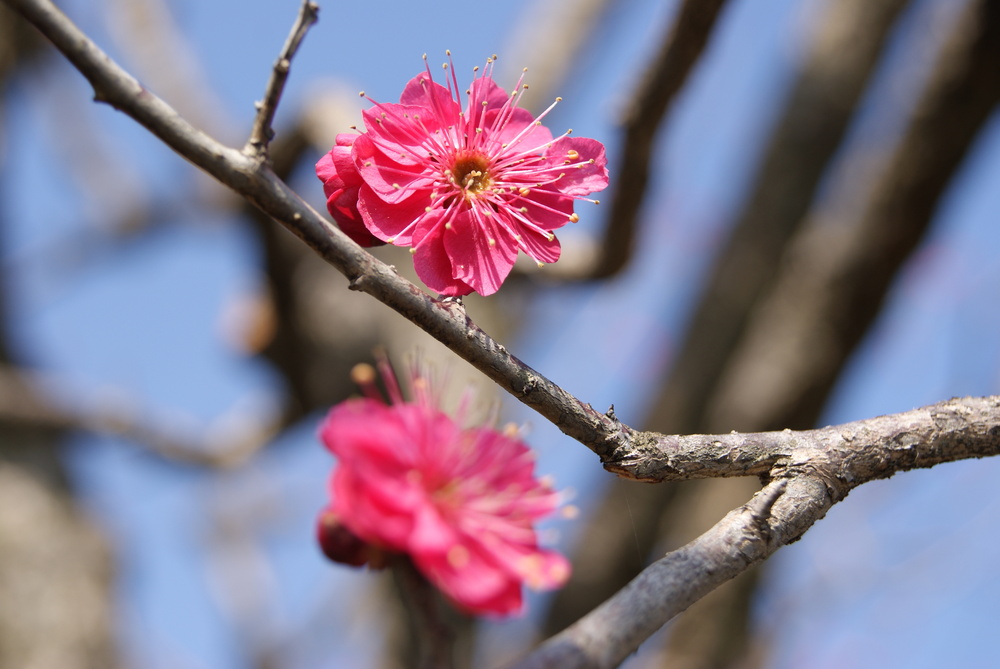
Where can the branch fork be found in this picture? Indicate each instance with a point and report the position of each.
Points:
(804, 472)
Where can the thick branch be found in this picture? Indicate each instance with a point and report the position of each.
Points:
(834, 277)
(777, 515)
(814, 470)
(853, 453)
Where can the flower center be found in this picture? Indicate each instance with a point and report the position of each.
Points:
(471, 172)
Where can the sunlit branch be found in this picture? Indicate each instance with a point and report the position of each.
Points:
(606, 636)
(812, 470)
(853, 453)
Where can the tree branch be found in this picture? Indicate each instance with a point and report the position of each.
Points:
(813, 470)
(852, 453)
(640, 455)
(262, 132)
(254, 180)
(777, 515)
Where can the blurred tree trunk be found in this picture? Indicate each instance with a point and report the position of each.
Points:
(55, 569)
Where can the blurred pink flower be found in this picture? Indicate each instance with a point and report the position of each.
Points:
(466, 190)
(461, 503)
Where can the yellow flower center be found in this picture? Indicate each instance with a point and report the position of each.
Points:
(471, 173)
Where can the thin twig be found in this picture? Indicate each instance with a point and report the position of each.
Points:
(254, 180)
(262, 132)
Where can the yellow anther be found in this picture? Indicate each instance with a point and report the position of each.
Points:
(492, 242)
(572, 154)
(523, 192)
(363, 374)
(396, 186)
(447, 226)
(541, 265)
(574, 218)
(413, 251)
(558, 99)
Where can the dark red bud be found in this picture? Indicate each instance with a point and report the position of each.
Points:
(339, 543)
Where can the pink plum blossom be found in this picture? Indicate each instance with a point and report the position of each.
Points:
(465, 189)
(461, 502)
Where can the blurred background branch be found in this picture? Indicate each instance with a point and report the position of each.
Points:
(819, 238)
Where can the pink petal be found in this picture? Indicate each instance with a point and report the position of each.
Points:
(474, 260)
(484, 89)
(471, 578)
(393, 181)
(588, 177)
(388, 221)
(365, 516)
(421, 91)
(343, 206)
(347, 432)
(401, 131)
(431, 260)
(531, 141)
(340, 185)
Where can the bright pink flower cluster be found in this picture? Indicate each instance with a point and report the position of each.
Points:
(461, 503)
(465, 189)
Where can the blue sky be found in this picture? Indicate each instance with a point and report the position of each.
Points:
(899, 575)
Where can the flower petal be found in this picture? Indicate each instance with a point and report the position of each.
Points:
(393, 181)
(402, 132)
(431, 260)
(392, 222)
(341, 181)
(481, 255)
(519, 134)
(582, 177)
